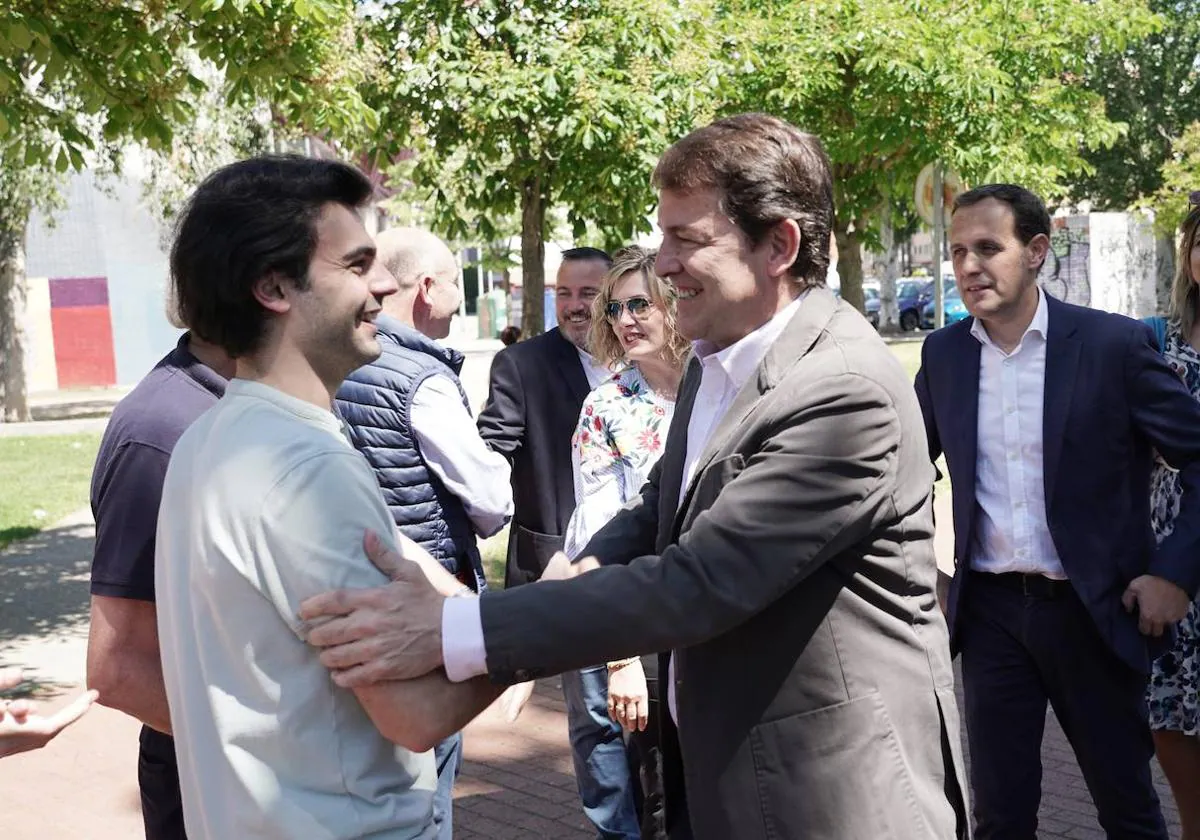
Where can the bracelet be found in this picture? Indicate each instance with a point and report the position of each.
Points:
(463, 591)
(622, 663)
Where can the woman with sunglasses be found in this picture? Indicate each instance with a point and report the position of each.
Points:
(1173, 695)
(621, 432)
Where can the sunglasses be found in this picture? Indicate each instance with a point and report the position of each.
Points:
(639, 307)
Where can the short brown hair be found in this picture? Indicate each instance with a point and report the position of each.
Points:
(603, 343)
(766, 170)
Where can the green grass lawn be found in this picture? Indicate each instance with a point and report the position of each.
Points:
(495, 551)
(42, 479)
(909, 354)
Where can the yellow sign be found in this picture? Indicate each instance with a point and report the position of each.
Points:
(952, 187)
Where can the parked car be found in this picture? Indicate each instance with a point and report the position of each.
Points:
(871, 303)
(909, 302)
(952, 306)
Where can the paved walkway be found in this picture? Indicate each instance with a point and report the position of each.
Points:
(517, 781)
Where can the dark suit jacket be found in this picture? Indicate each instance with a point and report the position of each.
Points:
(536, 391)
(796, 583)
(1109, 398)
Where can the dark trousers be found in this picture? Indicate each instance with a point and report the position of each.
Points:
(646, 764)
(676, 817)
(1020, 651)
(158, 784)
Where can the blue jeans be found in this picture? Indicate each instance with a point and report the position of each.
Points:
(448, 757)
(606, 785)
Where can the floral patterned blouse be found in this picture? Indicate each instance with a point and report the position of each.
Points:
(621, 432)
(1173, 695)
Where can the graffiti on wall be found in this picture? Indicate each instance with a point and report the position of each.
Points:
(1065, 273)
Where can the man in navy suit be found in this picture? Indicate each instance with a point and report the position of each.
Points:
(1049, 415)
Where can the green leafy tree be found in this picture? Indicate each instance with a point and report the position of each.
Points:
(516, 107)
(79, 80)
(1153, 87)
(1180, 177)
(994, 89)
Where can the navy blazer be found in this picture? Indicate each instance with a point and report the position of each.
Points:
(1110, 401)
(536, 391)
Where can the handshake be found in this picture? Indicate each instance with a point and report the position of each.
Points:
(559, 568)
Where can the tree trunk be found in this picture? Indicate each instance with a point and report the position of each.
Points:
(12, 310)
(1164, 271)
(533, 257)
(889, 308)
(850, 265)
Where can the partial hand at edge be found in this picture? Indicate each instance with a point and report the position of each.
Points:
(22, 730)
(391, 632)
(10, 678)
(513, 701)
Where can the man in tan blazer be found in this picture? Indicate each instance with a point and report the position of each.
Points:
(781, 552)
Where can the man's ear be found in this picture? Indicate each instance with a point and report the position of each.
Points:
(1037, 249)
(783, 245)
(425, 288)
(271, 291)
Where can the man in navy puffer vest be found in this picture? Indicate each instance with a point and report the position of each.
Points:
(408, 414)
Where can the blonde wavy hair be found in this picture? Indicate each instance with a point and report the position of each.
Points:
(1185, 296)
(603, 343)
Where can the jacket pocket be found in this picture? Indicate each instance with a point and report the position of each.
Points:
(534, 550)
(835, 773)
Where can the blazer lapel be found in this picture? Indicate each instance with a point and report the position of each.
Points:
(797, 338)
(670, 482)
(964, 415)
(570, 366)
(1062, 363)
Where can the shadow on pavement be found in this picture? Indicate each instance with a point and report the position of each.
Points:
(44, 606)
(517, 779)
(44, 582)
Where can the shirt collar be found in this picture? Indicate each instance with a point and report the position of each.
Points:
(589, 361)
(740, 359)
(303, 410)
(184, 359)
(1039, 324)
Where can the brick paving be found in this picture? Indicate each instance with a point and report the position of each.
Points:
(517, 781)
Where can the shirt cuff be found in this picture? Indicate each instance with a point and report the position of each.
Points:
(463, 653)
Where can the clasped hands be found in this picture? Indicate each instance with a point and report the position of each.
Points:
(394, 632)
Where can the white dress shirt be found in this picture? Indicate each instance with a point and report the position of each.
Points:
(451, 447)
(723, 374)
(595, 372)
(1011, 532)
